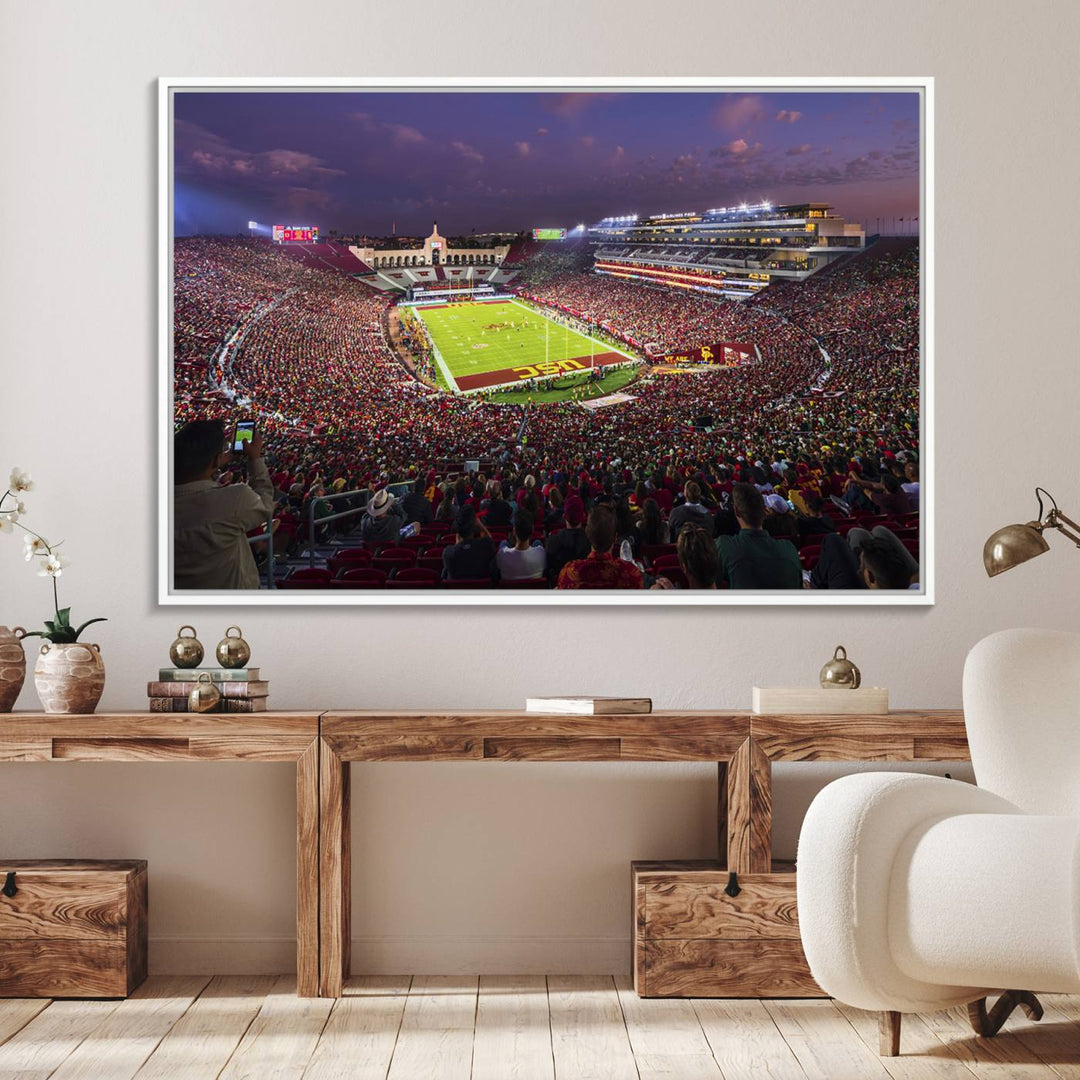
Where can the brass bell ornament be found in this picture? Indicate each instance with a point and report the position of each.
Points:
(204, 696)
(840, 673)
(186, 651)
(233, 652)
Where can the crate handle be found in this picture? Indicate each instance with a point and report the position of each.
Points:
(732, 887)
(9, 884)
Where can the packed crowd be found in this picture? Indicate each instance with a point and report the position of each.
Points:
(835, 392)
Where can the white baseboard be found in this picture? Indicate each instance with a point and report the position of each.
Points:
(430, 954)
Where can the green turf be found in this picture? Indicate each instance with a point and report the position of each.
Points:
(457, 328)
(562, 389)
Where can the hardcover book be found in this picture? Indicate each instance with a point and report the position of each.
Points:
(588, 706)
(226, 689)
(218, 674)
(229, 705)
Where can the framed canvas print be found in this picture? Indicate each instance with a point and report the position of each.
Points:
(539, 341)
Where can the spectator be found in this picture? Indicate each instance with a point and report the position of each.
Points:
(690, 510)
(600, 569)
(416, 506)
(883, 566)
(473, 556)
(526, 558)
(211, 523)
(382, 521)
(815, 522)
(697, 559)
(568, 543)
(653, 528)
(752, 559)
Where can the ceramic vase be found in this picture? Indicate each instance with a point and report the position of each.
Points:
(69, 678)
(12, 666)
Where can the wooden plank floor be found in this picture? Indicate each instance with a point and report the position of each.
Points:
(523, 1027)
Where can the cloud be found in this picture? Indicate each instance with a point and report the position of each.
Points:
(739, 113)
(523, 149)
(399, 134)
(542, 131)
(572, 105)
(200, 152)
(466, 151)
(788, 116)
(588, 140)
(802, 148)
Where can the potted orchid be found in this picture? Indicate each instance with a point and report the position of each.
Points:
(69, 675)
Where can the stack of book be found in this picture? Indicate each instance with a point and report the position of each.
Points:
(241, 689)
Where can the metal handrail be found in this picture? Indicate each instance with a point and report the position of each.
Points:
(268, 536)
(331, 517)
(395, 489)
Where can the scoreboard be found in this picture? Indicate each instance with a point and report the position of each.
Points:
(304, 234)
(549, 234)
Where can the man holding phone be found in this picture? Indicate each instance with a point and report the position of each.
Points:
(211, 522)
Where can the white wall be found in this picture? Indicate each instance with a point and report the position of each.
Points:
(494, 867)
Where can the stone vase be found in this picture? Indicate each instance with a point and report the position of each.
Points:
(12, 667)
(69, 678)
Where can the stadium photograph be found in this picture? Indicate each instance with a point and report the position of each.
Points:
(653, 343)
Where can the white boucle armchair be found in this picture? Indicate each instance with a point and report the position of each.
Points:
(917, 893)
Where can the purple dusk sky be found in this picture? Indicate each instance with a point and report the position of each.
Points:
(357, 162)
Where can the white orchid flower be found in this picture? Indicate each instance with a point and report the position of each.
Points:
(20, 481)
(7, 520)
(34, 545)
(53, 566)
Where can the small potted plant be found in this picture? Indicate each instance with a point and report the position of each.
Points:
(69, 674)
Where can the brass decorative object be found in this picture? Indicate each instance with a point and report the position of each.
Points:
(12, 666)
(1015, 544)
(186, 652)
(204, 696)
(233, 652)
(840, 673)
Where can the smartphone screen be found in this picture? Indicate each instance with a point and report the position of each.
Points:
(245, 432)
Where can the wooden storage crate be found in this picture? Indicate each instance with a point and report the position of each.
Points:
(692, 939)
(72, 928)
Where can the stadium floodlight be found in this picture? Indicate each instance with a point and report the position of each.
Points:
(744, 208)
(253, 224)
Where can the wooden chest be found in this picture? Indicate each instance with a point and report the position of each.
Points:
(71, 928)
(693, 939)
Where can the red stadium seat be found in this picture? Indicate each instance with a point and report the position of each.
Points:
(348, 559)
(654, 551)
(662, 562)
(468, 583)
(676, 576)
(307, 577)
(394, 558)
(809, 556)
(525, 583)
(413, 577)
(363, 577)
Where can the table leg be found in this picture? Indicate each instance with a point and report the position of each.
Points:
(749, 810)
(334, 872)
(307, 872)
(722, 813)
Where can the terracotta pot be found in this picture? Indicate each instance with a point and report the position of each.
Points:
(69, 678)
(12, 666)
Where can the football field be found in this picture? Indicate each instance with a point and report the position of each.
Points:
(486, 345)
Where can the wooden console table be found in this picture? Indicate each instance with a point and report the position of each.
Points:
(323, 745)
(743, 745)
(261, 737)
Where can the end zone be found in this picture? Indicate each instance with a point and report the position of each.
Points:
(542, 370)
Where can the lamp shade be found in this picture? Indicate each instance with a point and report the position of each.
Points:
(1012, 545)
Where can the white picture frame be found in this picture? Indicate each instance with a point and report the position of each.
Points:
(923, 596)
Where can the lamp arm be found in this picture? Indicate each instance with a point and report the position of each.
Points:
(1055, 519)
